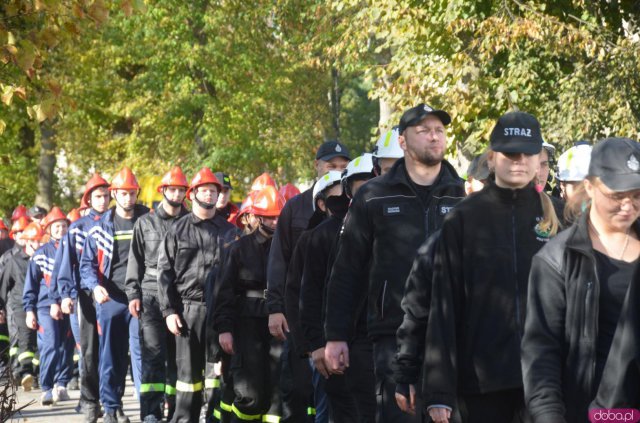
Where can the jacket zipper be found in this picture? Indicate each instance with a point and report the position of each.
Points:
(515, 269)
(587, 297)
(384, 293)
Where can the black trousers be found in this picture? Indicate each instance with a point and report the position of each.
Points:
(255, 370)
(361, 379)
(497, 407)
(4, 343)
(296, 386)
(24, 342)
(190, 359)
(384, 350)
(158, 353)
(89, 347)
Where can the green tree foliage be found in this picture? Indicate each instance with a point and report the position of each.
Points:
(248, 87)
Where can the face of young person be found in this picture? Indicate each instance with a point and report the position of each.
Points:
(619, 209)
(100, 199)
(223, 198)
(126, 198)
(543, 172)
(175, 193)
(58, 229)
(513, 170)
(337, 163)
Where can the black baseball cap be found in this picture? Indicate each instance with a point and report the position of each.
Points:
(330, 149)
(516, 132)
(37, 212)
(479, 168)
(616, 161)
(415, 115)
(224, 179)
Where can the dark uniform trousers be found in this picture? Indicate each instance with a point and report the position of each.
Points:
(295, 383)
(255, 370)
(158, 348)
(384, 351)
(190, 359)
(24, 343)
(89, 347)
(4, 343)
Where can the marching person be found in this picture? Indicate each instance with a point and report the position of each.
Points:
(241, 317)
(12, 282)
(224, 206)
(7, 345)
(577, 287)
(78, 302)
(192, 248)
(415, 303)
(479, 284)
(157, 345)
(573, 167)
(387, 151)
(296, 376)
(103, 269)
(389, 218)
(346, 401)
(55, 341)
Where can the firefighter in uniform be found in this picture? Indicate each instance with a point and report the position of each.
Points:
(55, 342)
(158, 348)
(12, 279)
(294, 220)
(353, 402)
(192, 248)
(224, 205)
(77, 302)
(389, 218)
(103, 268)
(241, 317)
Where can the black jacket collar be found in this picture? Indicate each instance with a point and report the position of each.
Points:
(579, 239)
(398, 174)
(512, 196)
(162, 213)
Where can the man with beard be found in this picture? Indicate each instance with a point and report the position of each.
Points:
(389, 218)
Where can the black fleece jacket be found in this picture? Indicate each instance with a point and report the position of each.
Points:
(479, 293)
(415, 304)
(317, 264)
(561, 332)
(386, 224)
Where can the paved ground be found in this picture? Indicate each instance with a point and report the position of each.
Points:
(64, 412)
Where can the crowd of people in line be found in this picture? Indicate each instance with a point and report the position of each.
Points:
(392, 290)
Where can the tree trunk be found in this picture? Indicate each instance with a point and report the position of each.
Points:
(335, 101)
(46, 166)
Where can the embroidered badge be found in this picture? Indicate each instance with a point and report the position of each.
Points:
(542, 233)
(338, 148)
(427, 109)
(633, 163)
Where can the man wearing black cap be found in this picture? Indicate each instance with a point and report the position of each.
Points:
(225, 207)
(332, 155)
(388, 220)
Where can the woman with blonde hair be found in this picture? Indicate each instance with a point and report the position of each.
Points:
(481, 268)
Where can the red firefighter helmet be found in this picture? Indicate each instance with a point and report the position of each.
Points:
(264, 180)
(3, 227)
(74, 215)
(268, 202)
(33, 232)
(203, 177)
(18, 212)
(53, 216)
(173, 178)
(96, 181)
(124, 179)
(289, 191)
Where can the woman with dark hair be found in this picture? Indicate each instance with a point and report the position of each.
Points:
(577, 286)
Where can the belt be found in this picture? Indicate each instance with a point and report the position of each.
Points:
(256, 293)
